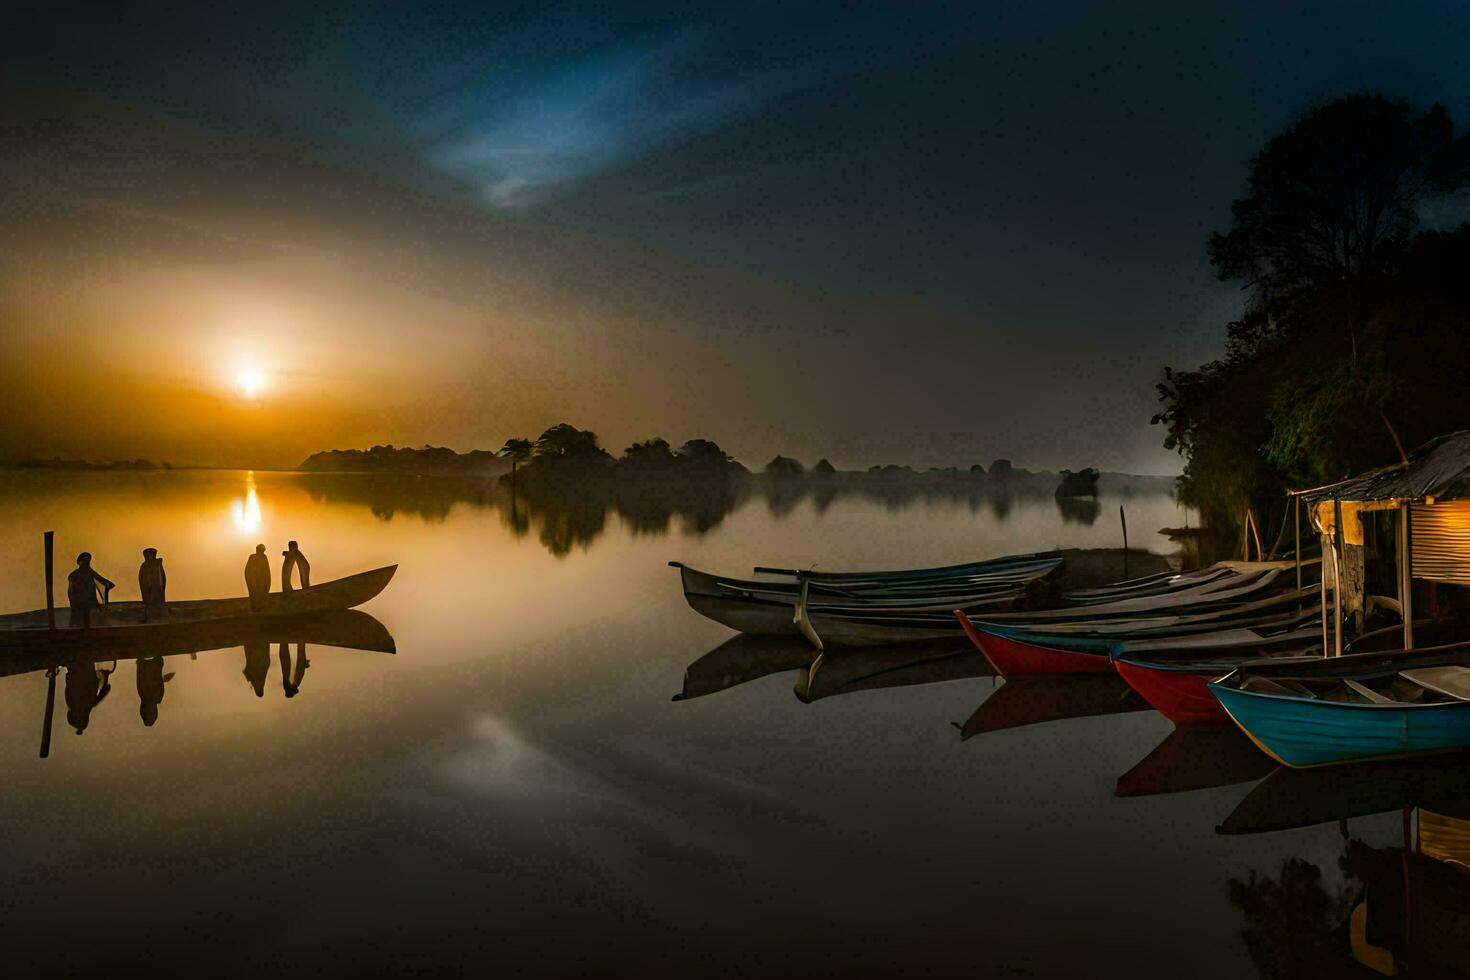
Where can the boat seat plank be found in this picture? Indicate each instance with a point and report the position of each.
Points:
(1367, 692)
(1450, 681)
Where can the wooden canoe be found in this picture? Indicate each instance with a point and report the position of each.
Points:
(120, 625)
(1356, 707)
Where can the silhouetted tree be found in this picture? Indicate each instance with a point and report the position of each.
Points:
(1083, 483)
(517, 451)
(1000, 469)
(1354, 318)
(784, 466)
(566, 441)
(650, 455)
(824, 468)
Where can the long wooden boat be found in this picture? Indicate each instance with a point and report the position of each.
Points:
(1355, 707)
(1176, 678)
(1018, 653)
(910, 575)
(937, 599)
(120, 625)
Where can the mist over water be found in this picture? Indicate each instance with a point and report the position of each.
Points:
(516, 788)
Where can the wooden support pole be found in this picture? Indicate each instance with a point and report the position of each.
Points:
(1123, 519)
(1337, 540)
(1296, 533)
(1406, 571)
(50, 539)
(1255, 529)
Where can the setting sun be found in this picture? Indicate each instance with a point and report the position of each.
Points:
(251, 382)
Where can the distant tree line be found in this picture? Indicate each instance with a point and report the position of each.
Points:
(565, 455)
(1355, 336)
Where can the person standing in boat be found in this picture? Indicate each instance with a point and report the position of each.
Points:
(81, 591)
(293, 558)
(152, 581)
(258, 578)
(151, 680)
(86, 686)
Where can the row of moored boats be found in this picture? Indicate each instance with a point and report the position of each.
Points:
(1237, 641)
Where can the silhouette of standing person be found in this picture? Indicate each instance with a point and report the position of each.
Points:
(291, 683)
(86, 686)
(81, 590)
(257, 664)
(152, 581)
(258, 578)
(151, 680)
(293, 558)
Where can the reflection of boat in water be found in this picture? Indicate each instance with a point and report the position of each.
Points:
(195, 621)
(349, 628)
(741, 659)
(1291, 798)
(848, 671)
(1024, 701)
(1414, 915)
(1193, 758)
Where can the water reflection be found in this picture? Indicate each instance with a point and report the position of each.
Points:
(245, 512)
(1195, 757)
(88, 676)
(1398, 910)
(566, 518)
(1023, 701)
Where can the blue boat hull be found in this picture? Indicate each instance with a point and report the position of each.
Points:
(1301, 732)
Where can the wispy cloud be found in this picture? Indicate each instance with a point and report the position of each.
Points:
(581, 115)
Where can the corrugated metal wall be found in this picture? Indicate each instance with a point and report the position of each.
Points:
(1441, 542)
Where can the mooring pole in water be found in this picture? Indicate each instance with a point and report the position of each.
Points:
(1123, 519)
(50, 537)
(51, 674)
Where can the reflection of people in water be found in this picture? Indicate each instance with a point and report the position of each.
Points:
(151, 680)
(81, 591)
(258, 578)
(291, 683)
(86, 686)
(257, 665)
(293, 558)
(152, 581)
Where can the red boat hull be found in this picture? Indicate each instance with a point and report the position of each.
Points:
(1182, 697)
(1017, 658)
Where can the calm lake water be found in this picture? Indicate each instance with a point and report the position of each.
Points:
(517, 791)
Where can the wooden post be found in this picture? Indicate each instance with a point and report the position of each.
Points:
(1123, 518)
(1296, 534)
(1255, 529)
(1337, 540)
(1406, 571)
(50, 538)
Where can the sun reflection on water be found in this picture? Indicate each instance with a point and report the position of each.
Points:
(246, 513)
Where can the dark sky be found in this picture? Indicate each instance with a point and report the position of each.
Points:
(915, 233)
